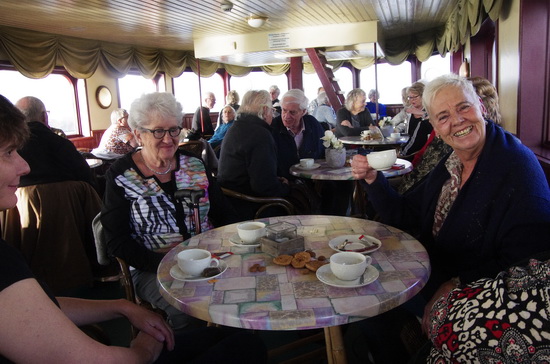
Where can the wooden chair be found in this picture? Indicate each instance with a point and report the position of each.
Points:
(264, 202)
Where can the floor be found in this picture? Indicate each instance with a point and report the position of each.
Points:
(119, 332)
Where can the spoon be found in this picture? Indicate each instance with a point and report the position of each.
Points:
(362, 279)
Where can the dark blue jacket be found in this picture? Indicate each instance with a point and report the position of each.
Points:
(500, 216)
(287, 152)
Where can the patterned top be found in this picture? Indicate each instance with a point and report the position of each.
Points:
(153, 211)
(114, 142)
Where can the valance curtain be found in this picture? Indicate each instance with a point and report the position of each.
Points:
(36, 54)
(464, 22)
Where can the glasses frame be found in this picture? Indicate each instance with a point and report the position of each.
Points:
(173, 132)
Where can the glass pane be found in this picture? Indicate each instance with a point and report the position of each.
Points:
(186, 90)
(312, 82)
(391, 79)
(56, 92)
(258, 80)
(131, 87)
(435, 66)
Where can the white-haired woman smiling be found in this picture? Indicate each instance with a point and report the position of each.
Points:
(481, 209)
(141, 218)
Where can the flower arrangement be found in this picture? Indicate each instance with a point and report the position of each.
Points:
(330, 141)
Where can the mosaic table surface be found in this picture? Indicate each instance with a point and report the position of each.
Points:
(285, 298)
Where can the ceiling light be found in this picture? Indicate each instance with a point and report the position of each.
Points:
(256, 21)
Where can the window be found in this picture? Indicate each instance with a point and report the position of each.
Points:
(435, 66)
(186, 90)
(258, 80)
(58, 93)
(312, 82)
(391, 80)
(132, 86)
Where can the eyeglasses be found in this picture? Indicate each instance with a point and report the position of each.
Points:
(160, 133)
(413, 97)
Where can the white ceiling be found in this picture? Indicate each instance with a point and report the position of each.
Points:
(174, 24)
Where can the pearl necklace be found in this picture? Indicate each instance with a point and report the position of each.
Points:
(157, 172)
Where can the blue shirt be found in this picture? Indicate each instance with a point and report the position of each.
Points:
(217, 138)
(381, 109)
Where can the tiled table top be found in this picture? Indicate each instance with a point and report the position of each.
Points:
(284, 298)
(324, 172)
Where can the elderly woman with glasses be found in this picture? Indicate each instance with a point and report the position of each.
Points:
(141, 217)
(419, 128)
(354, 117)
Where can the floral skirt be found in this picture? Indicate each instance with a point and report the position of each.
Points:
(501, 320)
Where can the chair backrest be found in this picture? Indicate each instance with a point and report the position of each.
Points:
(264, 202)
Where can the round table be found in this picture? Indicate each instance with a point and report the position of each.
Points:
(284, 298)
(93, 163)
(327, 173)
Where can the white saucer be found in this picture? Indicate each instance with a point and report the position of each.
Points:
(314, 166)
(325, 275)
(355, 244)
(176, 273)
(235, 240)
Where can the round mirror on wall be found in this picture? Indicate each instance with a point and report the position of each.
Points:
(104, 97)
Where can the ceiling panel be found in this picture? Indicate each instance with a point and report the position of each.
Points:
(173, 24)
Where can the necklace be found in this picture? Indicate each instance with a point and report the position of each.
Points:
(157, 172)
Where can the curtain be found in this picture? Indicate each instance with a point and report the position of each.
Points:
(35, 54)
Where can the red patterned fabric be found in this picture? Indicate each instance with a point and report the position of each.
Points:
(502, 320)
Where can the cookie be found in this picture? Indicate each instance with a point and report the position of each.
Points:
(315, 264)
(299, 261)
(283, 259)
(303, 255)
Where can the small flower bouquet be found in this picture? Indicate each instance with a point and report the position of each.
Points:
(330, 141)
(335, 154)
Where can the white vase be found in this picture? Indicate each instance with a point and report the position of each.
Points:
(335, 158)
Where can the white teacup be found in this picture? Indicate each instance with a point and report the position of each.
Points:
(348, 266)
(306, 162)
(251, 232)
(192, 262)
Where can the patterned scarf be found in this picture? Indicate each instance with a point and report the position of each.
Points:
(449, 191)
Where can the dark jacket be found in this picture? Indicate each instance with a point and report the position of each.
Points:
(419, 132)
(52, 158)
(365, 120)
(500, 216)
(287, 152)
(196, 124)
(248, 160)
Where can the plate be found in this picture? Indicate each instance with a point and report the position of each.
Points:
(355, 244)
(314, 166)
(325, 275)
(235, 240)
(176, 273)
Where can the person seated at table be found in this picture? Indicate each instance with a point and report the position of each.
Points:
(419, 128)
(118, 139)
(248, 159)
(297, 134)
(232, 99)
(474, 211)
(51, 157)
(140, 216)
(202, 123)
(314, 103)
(353, 117)
(436, 149)
(274, 92)
(228, 116)
(373, 101)
(400, 122)
(324, 113)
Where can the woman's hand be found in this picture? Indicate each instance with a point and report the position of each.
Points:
(146, 347)
(416, 112)
(361, 169)
(346, 123)
(442, 291)
(152, 324)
